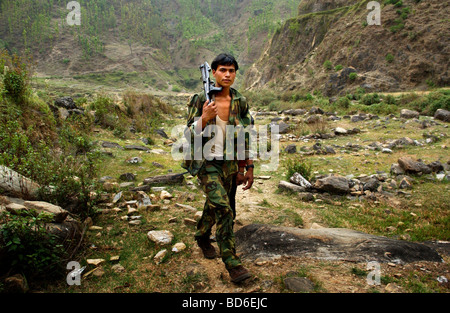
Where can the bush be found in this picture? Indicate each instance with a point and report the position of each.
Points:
(352, 76)
(429, 104)
(390, 99)
(30, 248)
(338, 67)
(343, 102)
(370, 99)
(327, 65)
(298, 165)
(389, 58)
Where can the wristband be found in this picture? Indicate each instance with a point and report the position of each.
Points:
(249, 166)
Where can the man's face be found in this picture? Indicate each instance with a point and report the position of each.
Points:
(225, 75)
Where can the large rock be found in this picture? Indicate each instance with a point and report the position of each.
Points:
(290, 186)
(412, 166)
(298, 179)
(333, 184)
(442, 115)
(408, 114)
(265, 241)
(40, 206)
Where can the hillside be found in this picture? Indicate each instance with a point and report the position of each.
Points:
(318, 49)
(162, 42)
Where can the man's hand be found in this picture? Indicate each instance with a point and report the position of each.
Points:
(248, 179)
(209, 112)
(240, 179)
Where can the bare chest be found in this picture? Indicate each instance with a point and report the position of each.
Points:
(223, 108)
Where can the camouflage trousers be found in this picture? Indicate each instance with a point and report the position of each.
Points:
(217, 184)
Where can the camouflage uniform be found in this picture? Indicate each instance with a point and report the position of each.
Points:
(216, 177)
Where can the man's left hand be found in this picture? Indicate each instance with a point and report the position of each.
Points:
(248, 179)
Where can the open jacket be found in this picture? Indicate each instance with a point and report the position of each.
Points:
(239, 117)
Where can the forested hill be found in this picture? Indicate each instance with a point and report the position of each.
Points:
(155, 37)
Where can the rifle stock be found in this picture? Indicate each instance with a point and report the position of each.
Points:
(208, 86)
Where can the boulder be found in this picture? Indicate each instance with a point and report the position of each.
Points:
(299, 284)
(412, 166)
(333, 184)
(291, 187)
(442, 115)
(40, 206)
(336, 244)
(409, 114)
(300, 180)
(291, 149)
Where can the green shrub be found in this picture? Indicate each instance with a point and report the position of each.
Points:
(429, 104)
(390, 99)
(327, 65)
(298, 165)
(370, 99)
(389, 58)
(338, 67)
(352, 76)
(30, 248)
(14, 84)
(105, 112)
(343, 102)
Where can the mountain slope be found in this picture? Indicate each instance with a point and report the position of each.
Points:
(409, 50)
(165, 40)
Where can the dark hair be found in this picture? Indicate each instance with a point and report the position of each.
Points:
(224, 59)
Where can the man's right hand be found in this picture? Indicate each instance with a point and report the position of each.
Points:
(209, 112)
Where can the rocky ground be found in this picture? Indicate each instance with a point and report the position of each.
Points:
(366, 165)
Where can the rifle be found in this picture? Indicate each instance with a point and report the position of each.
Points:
(208, 85)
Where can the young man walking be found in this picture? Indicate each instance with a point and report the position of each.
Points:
(217, 170)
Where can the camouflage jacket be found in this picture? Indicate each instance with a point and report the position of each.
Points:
(239, 117)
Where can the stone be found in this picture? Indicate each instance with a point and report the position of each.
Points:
(290, 186)
(107, 144)
(159, 257)
(198, 215)
(299, 284)
(340, 131)
(95, 262)
(298, 179)
(333, 184)
(190, 222)
(128, 177)
(409, 114)
(136, 147)
(178, 247)
(160, 237)
(186, 207)
(333, 244)
(291, 149)
(436, 166)
(118, 268)
(442, 115)
(59, 214)
(396, 169)
(135, 160)
(405, 184)
(165, 195)
(412, 166)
